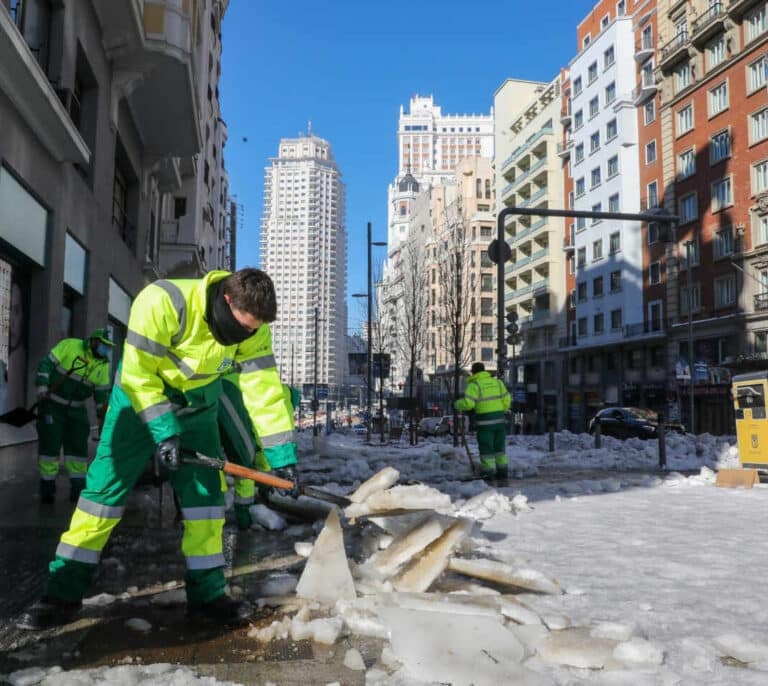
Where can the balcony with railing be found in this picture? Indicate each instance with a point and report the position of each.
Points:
(646, 89)
(640, 329)
(673, 51)
(708, 24)
(564, 147)
(737, 8)
(536, 197)
(529, 171)
(644, 48)
(529, 143)
(761, 301)
(537, 318)
(565, 114)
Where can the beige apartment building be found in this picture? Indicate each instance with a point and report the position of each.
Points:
(101, 125)
(529, 174)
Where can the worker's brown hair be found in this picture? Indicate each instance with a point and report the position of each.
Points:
(252, 291)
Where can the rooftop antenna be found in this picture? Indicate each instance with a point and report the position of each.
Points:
(309, 127)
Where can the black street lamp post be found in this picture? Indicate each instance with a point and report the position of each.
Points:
(369, 296)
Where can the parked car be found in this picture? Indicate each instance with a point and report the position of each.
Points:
(360, 429)
(428, 426)
(627, 422)
(446, 423)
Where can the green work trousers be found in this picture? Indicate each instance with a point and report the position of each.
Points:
(61, 426)
(491, 443)
(241, 447)
(124, 450)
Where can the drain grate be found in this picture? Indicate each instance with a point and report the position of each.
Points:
(278, 651)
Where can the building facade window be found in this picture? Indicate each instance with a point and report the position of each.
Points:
(760, 177)
(615, 242)
(719, 147)
(577, 87)
(653, 194)
(649, 112)
(684, 120)
(616, 320)
(610, 93)
(578, 153)
(686, 164)
(594, 107)
(682, 77)
(582, 326)
(611, 130)
(724, 243)
(613, 203)
(725, 291)
(715, 52)
(598, 323)
(718, 99)
(578, 120)
(654, 273)
(689, 209)
(609, 57)
(690, 301)
(755, 23)
(615, 281)
(594, 142)
(650, 152)
(597, 250)
(597, 287)
(722, 195)
(613, 166)
(756, 76)
(759, 127)
(595, 177)
(581, 257)
(580, 187)
(581, 290)
(592, 73)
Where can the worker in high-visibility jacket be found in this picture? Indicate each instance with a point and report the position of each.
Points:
(75, 370)
(242, 445)
(183, 336)
(489, 398)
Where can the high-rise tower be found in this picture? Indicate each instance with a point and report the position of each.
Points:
(303, 249)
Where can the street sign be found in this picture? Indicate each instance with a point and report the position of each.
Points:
(322, 391)
(496, 254)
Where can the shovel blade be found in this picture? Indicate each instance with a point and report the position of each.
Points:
(18, 417)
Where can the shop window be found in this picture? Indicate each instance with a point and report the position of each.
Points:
(14, 325)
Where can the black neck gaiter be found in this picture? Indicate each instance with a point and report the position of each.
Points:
(222, 323)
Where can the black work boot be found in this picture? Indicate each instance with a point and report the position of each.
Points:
(75, 486)
(48, 612)
(222, 610)
(47, 492)
(502, 472)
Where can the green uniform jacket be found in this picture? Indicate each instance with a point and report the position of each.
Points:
(487, 396)
(169, 346)
(74, 374)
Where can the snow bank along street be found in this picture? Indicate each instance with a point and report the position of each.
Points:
(589, 567)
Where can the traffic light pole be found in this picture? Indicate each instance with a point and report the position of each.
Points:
(499, 252)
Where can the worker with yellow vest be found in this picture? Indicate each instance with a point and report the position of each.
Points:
(242, 445)
(183, 336)
(75, 370)
(489, 398)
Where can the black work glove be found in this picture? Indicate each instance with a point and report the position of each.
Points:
(288, 472)
(167, 456)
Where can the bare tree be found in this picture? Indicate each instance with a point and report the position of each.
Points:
(453, 262)
(411, 332)
(382, 339)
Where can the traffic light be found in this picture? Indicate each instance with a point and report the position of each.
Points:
(512, 327)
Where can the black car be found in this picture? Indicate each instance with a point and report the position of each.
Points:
(627, 422)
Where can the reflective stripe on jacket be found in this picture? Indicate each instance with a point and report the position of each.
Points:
(72, 374)
(485, 394)
(169, 344)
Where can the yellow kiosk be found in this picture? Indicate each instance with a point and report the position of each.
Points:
(749, 401)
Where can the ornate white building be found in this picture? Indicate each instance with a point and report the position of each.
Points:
(304, 250)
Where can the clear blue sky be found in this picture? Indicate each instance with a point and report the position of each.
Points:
(348, 66)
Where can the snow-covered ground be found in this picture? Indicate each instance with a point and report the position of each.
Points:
(643, 577)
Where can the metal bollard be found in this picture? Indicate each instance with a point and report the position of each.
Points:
(661, 431)
(551, 437)
(598, 433)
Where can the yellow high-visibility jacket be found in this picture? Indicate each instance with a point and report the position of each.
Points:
(487, 396)
(169, 346)
(72, 374)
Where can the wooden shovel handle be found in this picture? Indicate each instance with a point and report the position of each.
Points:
(255, 475)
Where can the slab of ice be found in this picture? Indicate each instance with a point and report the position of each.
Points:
(326, 576)
(303, 548)
(385, 563)
(517, 611)
(420, 574)
(276, 629)
(100, 600)
(576, 648)
(354, 660)
(415, 497)
(485, 505)
(269, 519)
(380, 481)
(503, 574)
(460, 650)
(614, 631)
(168, 598)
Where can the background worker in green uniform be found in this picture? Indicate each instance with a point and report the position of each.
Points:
(183, 335)
(242, 446)
(72, 372)
(489, 398)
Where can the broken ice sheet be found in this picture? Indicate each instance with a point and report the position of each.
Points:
(503, 574)
(385, 563)
(380, 481)
(458, 649)
(576, 648)
(326, 576)
(420, 574)
(416, 497)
